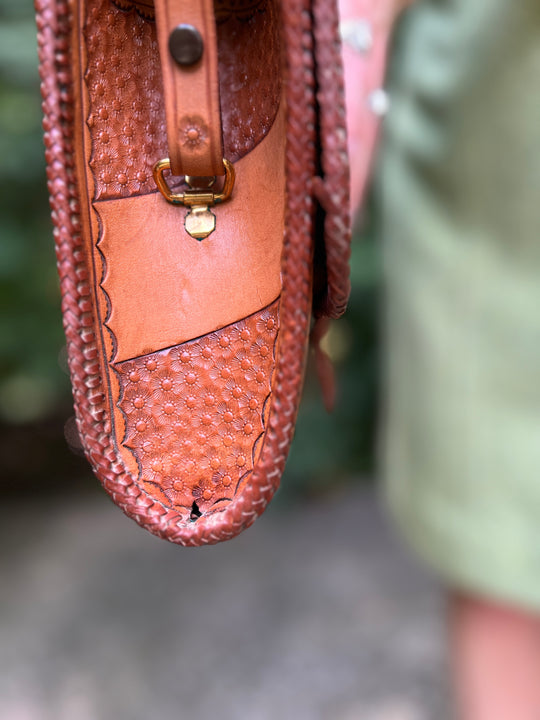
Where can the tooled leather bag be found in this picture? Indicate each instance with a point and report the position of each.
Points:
(199, 186)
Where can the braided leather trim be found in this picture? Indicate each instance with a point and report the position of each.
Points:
(332, 190)
(54, 27)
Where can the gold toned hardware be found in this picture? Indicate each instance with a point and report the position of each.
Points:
(194, 197)
(200, 182)
(200, 222)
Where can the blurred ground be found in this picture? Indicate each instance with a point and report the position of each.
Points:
(312, 614)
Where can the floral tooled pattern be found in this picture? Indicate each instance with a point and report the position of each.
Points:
(193, 133)
(126, 117)
(195, 412)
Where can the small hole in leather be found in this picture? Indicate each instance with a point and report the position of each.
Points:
(195, 512)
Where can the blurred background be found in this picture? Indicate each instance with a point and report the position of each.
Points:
(314, 613)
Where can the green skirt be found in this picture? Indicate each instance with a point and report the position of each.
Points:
(459, 190)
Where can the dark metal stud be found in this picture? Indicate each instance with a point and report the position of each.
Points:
(186, 45)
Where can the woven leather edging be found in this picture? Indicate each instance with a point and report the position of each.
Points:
(54, 27)
(332, 191)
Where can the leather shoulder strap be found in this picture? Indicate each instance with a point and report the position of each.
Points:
(187, 29)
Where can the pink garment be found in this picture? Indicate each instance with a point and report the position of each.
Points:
(364, 74)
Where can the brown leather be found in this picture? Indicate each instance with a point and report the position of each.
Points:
(195, 287)
(124, 99)
(195, 414)
(122, 406)
(160, 295)
(191, 93)
(331, 188)
(224, 9)
(250, 66)
(144, 7)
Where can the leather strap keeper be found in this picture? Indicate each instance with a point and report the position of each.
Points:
(191, 92)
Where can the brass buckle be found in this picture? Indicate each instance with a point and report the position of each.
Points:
(200, 221)
(195, 196)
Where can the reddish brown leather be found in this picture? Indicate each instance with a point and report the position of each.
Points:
(191, 94)
(224, 9)
(250, 64)
(165, 262)
(123, 99)
(94, 387)
(195, 413)
(195, 287)
(144, 7)
(126, 118)
(332, 188)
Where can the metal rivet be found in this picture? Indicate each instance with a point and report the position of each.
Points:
(186, 45)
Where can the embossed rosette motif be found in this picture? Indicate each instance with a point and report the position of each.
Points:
(186, 356)
(195, 414)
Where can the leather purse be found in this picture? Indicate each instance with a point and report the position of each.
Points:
(198, 176)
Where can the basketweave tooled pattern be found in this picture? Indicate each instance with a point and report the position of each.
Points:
(55, 25)
(127, 116)
(195, 412)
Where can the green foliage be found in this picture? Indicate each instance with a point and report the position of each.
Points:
(31, 381)
(331, 448)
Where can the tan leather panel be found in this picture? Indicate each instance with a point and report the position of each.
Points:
(195, 413)
(164, 287)
(191, 94)
(123, 92)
